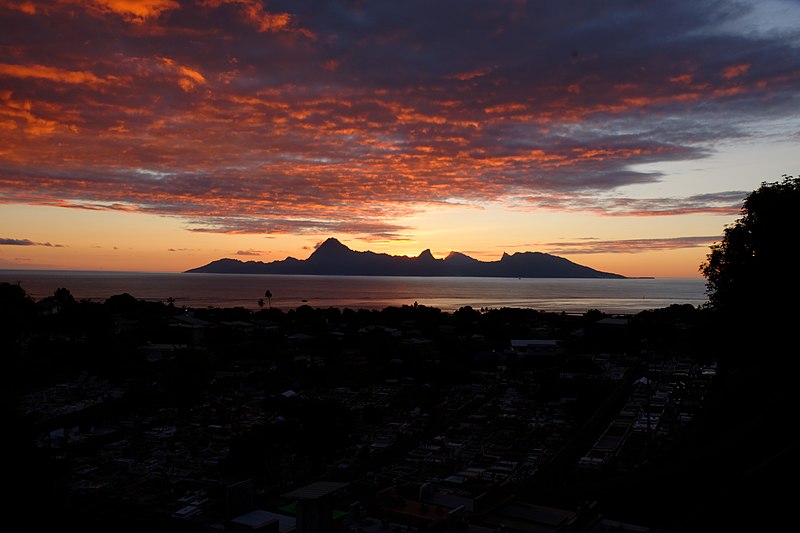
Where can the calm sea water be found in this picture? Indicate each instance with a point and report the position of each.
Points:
(368, 292)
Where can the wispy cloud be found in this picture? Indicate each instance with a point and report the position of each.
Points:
(48, 73)
(722, 203)
(595, 246)
(250, 252)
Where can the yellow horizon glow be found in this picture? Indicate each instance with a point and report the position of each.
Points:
(74, 239)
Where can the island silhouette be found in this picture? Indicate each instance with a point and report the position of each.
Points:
(334, 258)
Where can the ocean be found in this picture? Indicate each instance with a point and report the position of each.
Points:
(613, 296)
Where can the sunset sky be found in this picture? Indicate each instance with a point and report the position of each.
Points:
(159, 135)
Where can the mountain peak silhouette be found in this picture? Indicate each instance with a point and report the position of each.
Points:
(331, 244)
(330, 252)
(334, 258)
(426, 255)
(460, 258)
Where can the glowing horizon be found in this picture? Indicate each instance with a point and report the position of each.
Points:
(161, 135)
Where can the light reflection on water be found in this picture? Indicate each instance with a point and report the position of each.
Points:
(369, 292)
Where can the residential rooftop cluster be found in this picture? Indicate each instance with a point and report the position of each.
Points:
(406, 419)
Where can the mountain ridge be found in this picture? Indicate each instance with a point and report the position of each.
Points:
(334, 258)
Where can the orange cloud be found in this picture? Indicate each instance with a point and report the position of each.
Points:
(16, 114)
(51, 73)
(189, 78)
(735, 71)
(683, 78)
(511, 107)
(138, 12)
(253, 12)
(28, 8)
(135, 11)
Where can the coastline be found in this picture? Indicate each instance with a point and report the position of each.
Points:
(571, 295)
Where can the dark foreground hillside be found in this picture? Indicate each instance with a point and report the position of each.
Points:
(139, 416)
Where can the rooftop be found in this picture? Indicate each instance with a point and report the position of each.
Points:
(315, 490)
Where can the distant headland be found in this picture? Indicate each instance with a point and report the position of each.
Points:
(334, 258)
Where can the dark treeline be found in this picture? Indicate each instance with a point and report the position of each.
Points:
(46, 340)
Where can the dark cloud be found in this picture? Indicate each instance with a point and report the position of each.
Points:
(250, 252)
(17, 242)
(240, 116)
(27, 242)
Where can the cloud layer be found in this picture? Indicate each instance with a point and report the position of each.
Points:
(342, 116)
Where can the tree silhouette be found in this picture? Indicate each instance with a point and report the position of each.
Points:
(751, 275)
(751, 268)
(753, 288)
(268, 296)
(17, 309)
(261, 303)
(63, 296)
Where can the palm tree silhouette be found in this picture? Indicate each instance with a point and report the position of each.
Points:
(268, 296)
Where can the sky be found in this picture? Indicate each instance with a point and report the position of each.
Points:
(160, 135)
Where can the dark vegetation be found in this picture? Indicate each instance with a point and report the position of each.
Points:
(746, 443)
